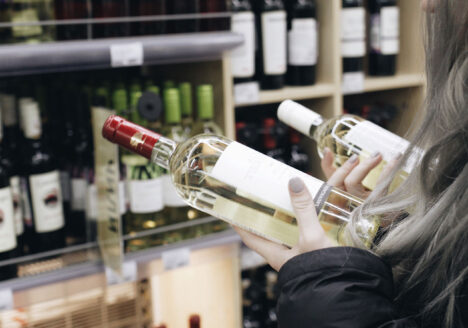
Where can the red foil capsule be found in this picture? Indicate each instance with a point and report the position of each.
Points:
(130, 136)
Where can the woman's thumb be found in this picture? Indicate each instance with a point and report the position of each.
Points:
(303, 205)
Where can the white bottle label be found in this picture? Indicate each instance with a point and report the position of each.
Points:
(46, 199)
(372, 138)
(146, 196)
(7, 221)
(30, 119)
(274, 42)
(390, 30)
(353, 32)
(65, 185)
(78, 196)
(123, 197)
(170, 195)
(243, 57)
(258, 176)
(303, 42)
(91, 203)
(17, 210)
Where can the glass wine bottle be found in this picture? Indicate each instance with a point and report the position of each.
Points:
(347, 135)
(302, 42)
(270, 144)
(353, 37)
(384, 33)
(186, 107)
(205, 104)
(240, 185)
(243, 57)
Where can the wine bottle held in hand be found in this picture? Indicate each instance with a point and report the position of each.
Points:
(240, 185)
(347, 135)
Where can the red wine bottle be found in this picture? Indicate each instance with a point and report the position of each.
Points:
(44, 219)
(148, 8)
(384, 37)
(72, 9)
(179, 7)
(243, 57)
(110, 9)
(214, 24)
(271, 63)
(302, 42)
(270, 143)
(353, 36)
(195, 321)
(297, 157)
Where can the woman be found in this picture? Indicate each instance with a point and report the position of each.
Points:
(416, 273)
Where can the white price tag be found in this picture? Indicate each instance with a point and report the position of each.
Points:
(353, 83)
(129, 54)
(6, 299)
(129, 274)
(177, 258)
(246, 93)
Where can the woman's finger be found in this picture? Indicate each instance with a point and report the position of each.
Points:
(311, 233)
(337, 178)
(388, 168)
(327, 163)
(353, 182)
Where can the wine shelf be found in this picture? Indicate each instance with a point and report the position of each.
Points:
(92, 54)
(393, 82)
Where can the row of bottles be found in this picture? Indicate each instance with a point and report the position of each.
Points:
(42, 11)
(194, 321)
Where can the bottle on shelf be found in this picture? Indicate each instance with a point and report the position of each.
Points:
(353, 37)
(247, 134)
(8, 236)
(302, 42)
(44, 218)
(271, 57)
(212, 7)
(26, 11)
(11, 138)
(297, 157)
(194, 321)
(346, 135)
(205, 104)
(384, 37)
(148, 8)
(186, 106)
(72, 9)
(270, 144)
(240, 185)
(175, 207)
(243, 57)
(110, 9)
(183, 7)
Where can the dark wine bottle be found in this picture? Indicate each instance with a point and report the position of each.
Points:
(110, 9)
(44, 219)
(179, 7)
(271, 61)
(384, 33)
(302, 42)
(148, 8)
(72, 9)
(194, 321)
(11, 137)
(270, 143)
(297, 157)
(243, 57)
(353, 36)
(211, 7)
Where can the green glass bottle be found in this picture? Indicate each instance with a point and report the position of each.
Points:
(205, 104)
(186, 106)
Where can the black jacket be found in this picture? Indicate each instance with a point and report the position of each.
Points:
(338, 288)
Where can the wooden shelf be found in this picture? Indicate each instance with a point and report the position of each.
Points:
(393, 82)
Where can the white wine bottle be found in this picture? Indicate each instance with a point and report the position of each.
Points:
(346, 135)
(240, 185)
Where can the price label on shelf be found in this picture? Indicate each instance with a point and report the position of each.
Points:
(175, 259)
(353, 83)
(246, 93)
(128, 54)
(129, 274)
(6, 299)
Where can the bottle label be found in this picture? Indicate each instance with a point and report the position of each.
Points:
(46, 199)
(25, 203)
(303, 42)
(390, 30)
(78, 196)
(260, 177)
(146, 195)
(65, 185)
(274, 42)
(170, 195)
(17, 210)
(7, 221)
(91, 203)
(353, 31)
(30, 119)
(372, 138)
(243, 57)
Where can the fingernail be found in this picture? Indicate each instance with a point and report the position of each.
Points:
(375, 154)
(326, 150)
(353, 158)
(296, 185)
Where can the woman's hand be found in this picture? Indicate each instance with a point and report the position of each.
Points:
(311, 234)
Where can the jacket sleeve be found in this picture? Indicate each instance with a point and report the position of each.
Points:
(337, 287)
